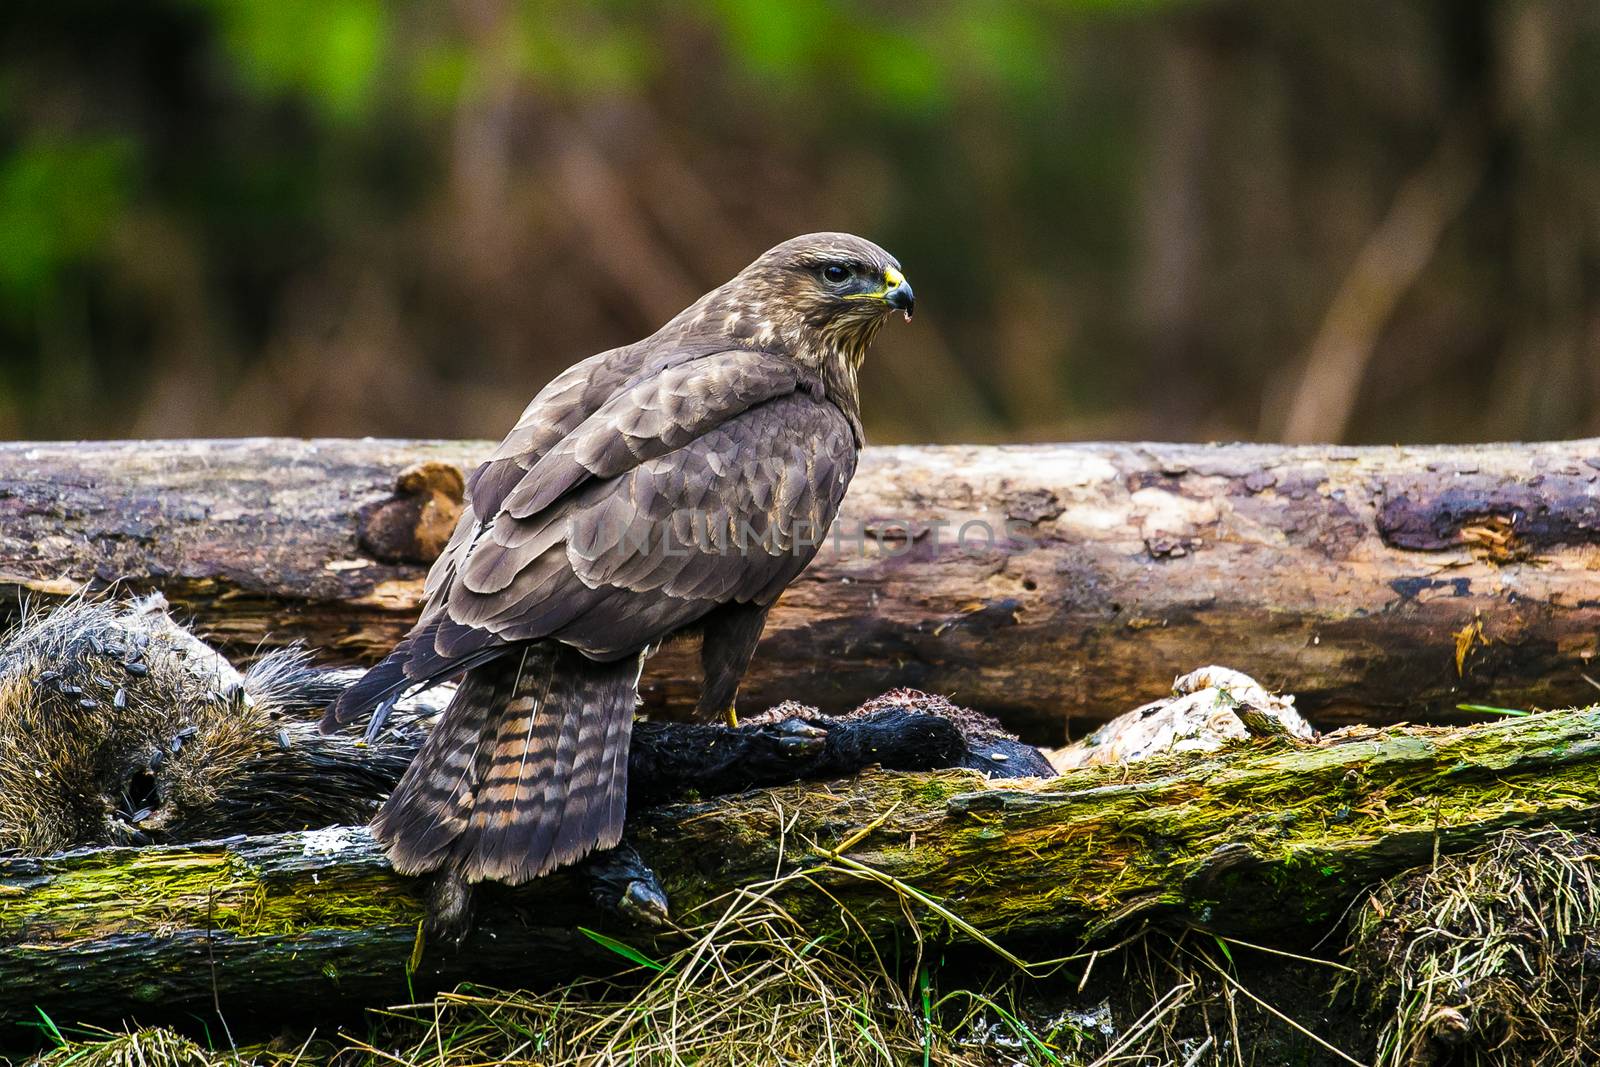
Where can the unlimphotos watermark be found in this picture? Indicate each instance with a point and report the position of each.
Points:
(717, 533)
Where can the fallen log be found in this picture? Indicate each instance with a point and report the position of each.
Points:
(1269, 839)
(316, 779)
(1041, 584)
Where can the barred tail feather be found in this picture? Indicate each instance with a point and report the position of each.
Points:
(526, 771)
(381, 685)
(429, 808)
(414, 664)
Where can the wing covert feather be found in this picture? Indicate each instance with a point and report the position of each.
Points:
(732, 515)
(651, 418)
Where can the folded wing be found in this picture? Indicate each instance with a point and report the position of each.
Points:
(708, 481)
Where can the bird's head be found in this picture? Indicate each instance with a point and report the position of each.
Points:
(819, 295)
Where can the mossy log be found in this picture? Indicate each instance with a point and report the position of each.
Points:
(1040, 584)
(1268, 839)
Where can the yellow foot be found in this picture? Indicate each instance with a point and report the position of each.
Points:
(731, 717)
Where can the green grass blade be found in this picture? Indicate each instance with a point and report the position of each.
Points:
(627, 952)
(48, 1025)
(1490, 709)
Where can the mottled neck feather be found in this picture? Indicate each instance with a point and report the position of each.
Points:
(839, 360)
(839, 379)
(835, 349)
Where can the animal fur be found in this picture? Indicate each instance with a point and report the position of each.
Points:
(117, 726)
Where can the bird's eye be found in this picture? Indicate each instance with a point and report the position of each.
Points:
(835, 273)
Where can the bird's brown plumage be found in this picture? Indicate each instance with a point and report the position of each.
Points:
(672, 485)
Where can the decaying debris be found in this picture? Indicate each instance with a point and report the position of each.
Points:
(1269, 840)
(871, 734)
(1487, 958)
(116, 724)
(415, 524)
(1208, 708)
(1483, 959)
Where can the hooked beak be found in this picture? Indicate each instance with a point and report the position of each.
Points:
(897, 292)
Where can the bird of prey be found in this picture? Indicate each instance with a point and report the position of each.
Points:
(672, 486)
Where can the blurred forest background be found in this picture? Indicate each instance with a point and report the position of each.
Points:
(1362, 221)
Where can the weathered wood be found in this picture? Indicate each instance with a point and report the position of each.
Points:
(1267, 839)
(315, 779)
(1377, 583)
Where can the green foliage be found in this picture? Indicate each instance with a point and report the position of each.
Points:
(59, 200)
(1126, 216)
(600, 50)
(328, 51)
(811, 45)
(621, 948)
(916, 61)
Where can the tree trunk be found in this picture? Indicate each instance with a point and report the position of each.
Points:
(1269, 839)
(1048, 585)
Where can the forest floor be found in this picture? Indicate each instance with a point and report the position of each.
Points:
(754, 992)
(1483, 958)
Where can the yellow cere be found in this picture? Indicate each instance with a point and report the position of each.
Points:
(892, 277)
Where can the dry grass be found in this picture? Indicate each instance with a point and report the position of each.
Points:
(1487, 959)
(148, 1047)
(751, 986)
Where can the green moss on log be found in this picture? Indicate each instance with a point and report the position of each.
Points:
(110, 892)
(1265, 840)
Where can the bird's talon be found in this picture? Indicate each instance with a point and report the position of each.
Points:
(644, 904)
(800, 739)
(621, 882)
(451, 903)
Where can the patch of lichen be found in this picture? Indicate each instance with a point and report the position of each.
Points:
(150, 890)
(376, 899)
(1257, 837)
(1293, 830)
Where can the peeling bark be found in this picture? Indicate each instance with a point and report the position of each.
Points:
(1377, 584)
